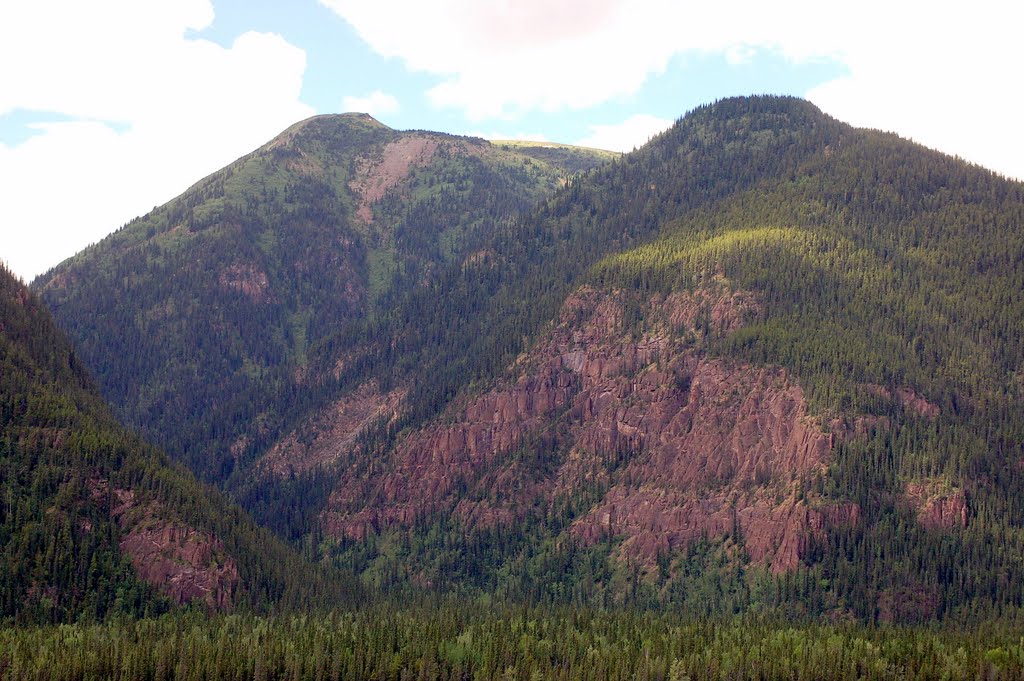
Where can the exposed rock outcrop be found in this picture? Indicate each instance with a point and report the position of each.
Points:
(939, 505)
(332, 432)
(908, 603)
(183, 563)
(682, 445)
(247, 279)
(375, 175)
(909, 399)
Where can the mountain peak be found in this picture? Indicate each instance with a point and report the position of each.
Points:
(328, 124)
(764, 104)
(361, 116)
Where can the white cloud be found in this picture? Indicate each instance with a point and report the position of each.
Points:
(500, 58)
(737, 55)
(186, 107)
(945, 78)
(376, 103)
(943, 72)
(630, 134)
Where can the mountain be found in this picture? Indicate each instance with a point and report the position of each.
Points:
(95, 522)
(768, 361)
(197, 318)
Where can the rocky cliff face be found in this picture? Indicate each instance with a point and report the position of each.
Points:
(671, 444)
(331, 433)
(938, 504)
(183, 563)
(247, 279)
(909, 400)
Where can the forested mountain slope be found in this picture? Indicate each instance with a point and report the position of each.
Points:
(96, 522)
(766, 361)
(197, 318)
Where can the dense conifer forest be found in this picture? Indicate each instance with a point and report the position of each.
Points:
(469, 641)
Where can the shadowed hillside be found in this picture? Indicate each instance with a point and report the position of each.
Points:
(95, 522)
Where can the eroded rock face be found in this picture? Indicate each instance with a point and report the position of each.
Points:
(938, 504)
(375, 175)
(716, 447)
(183, 563)
(678, 444)
(246, 279)
(332, 432)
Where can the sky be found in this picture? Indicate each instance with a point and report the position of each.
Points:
(111, 107)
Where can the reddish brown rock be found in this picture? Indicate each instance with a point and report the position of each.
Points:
(183, 563)
(907, 603)
(377, 174)
(724, 309)
(938, 504)
(240, 445)
(686, 446)
(730, 452)
(332, 432)
(917, 404)
(908, 399)
(246, 279)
